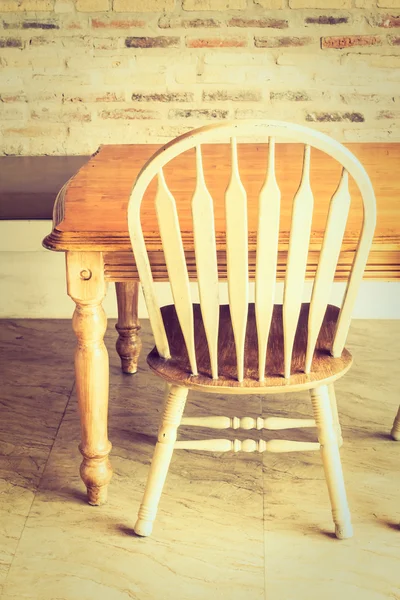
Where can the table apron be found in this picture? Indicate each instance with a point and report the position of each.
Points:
(383, 265)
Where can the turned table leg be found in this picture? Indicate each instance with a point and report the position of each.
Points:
(86, 286)
(129, 343)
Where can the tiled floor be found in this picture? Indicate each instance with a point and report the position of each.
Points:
(244, 526)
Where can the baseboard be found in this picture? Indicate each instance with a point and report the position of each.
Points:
(33, 285)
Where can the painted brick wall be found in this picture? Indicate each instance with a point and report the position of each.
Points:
(78, 73)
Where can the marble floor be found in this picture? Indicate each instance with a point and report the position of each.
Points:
(235, 527)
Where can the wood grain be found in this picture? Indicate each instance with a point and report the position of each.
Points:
(91, 212)
(120, 266)
(177, 368)
(128, 344)
(86, 286)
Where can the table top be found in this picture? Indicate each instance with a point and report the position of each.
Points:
(91, 209)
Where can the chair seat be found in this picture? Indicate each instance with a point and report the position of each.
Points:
(176, 369)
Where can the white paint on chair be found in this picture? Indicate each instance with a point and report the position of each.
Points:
(32, 282)
(206, 261)
(237, 257)
(300, 230)
(266, 258)
(168, 224)
(332, 243)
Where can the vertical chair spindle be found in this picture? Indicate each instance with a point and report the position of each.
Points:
(266, 259)
(237, 257)
(168, 224)
(300, 230)
(206, 261)
(359, 262)
(334, 232)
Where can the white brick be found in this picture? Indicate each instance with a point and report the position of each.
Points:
(26, 5)
(111, 132)
(210, 74)
(251, 113)
(11, 80)
(37, 138)
(9, 112)
(100, 96)
(13, 146)
(128, 78)
(41, 61)
(365, 61)
(64, 6)
(44, 96)
(386, 134)
(214, 4)
(304, 62)
(365, 3)
(323, 4)
(389, 3)
(59, 81)
(292, 76)
(271, 4)
(284, 112)
(60, 114)
(239, 59)
(143, 5)
(58, 76)
(75, 63)
(92, 5)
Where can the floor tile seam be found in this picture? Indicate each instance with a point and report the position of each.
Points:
(37, 488)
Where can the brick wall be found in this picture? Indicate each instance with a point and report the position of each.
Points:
(78, 73)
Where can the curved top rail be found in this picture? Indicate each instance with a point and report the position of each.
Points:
(278, 129)
(267, 129)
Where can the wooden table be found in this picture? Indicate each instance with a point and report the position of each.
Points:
(90, 226)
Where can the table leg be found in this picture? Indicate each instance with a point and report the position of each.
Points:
(129, 343)
(86, 286)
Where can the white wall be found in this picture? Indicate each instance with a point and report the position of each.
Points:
(32, 281)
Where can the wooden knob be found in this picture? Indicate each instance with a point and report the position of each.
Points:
(85, 274)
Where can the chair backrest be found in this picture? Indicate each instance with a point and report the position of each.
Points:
(237, 244)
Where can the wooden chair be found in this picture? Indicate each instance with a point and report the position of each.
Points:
(247, 348)
(395, 433)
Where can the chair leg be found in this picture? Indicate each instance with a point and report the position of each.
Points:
(331, 461)
(175, 400)
(395, 433)
(335, 414)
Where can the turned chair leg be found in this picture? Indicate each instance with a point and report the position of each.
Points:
(395, 433)
(175, 401)
(335, 414)
(331, 461)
